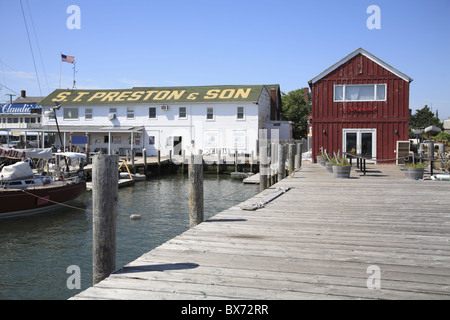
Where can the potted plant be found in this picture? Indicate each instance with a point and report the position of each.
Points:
(329, 162)
(341, 168)
(414, 171)
(322, 157)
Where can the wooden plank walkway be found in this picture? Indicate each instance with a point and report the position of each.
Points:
(316, 241)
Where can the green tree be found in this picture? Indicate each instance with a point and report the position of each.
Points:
(296, 109)
(424, 118)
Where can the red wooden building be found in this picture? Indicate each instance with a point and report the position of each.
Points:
(360, 104)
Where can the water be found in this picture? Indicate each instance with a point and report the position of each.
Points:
(36, 252)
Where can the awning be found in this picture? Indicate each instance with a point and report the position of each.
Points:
(88, 129)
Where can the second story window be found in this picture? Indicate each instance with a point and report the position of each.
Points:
(209, 113)
(130, 113)
(88, 114)
(70, 113)
(360, 92)
(182, 112)
(152, 113)
(240, 113)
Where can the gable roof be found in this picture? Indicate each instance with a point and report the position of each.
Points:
(158, 95)
(366, 54)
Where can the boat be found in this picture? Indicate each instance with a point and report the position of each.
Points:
(24, 192)
(132, 176)
(241, 175)
(432, 130)
(129, 175)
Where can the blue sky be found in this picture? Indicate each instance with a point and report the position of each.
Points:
(122, 44)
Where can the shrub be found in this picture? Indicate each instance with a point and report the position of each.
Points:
(415, 165)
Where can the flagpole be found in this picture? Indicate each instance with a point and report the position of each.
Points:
(74, 86)
(60, 62)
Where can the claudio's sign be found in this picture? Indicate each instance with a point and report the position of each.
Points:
(18, 108)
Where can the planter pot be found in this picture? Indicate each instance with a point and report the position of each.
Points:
(321, 160)
(414, 173)
(329, 166)
(341, 171)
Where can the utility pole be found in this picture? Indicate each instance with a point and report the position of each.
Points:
(10, 97)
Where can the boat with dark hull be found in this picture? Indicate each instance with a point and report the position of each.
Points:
(25, 193)
(38, 199)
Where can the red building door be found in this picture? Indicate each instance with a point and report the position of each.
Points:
(360, 141)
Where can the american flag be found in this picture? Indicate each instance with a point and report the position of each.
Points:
(68, 59)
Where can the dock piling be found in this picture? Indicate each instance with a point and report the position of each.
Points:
(281, 162)
(104, 206)
(196, 190)
(144, 155)
(159, 161)
(298, 156)
(291, 158)
(263, 160)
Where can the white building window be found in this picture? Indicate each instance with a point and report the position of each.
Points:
(130, 113)
(88, 114)
(182, 112)
(70, 113)
(152, 113)
(240, 113)
(360, 92)
(209, 113)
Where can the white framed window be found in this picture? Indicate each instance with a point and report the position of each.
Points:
(182, 113)
(116, 139)
(130, 113)
(240, 115)
(88, 114)
(359, 92)
(209, 113)
(70, 113)
(152, 113)
(360, 141)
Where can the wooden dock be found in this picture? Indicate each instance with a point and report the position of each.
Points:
(320, 240)
(254, 179)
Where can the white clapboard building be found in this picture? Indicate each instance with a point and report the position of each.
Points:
(170, 119)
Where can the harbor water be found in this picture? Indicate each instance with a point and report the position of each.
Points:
(36, 252)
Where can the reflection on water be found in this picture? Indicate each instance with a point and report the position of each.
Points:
(35, 252)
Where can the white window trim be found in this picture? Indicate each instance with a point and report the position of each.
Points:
(92, 114)
(365, 84)
(134, 114)
(71, 119)
(358, 140)
(243, 111)
(213, 114)
(156, 114)
(182, 118)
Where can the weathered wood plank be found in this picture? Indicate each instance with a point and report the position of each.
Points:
(314, 242)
